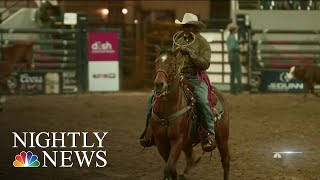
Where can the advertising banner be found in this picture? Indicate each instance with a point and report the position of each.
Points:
(278, 81)
(69, 82)
(43, 82)
(52, 83)
(38, 83)
(104, 76)
(103, 46)
(103, 56)
(31, 83)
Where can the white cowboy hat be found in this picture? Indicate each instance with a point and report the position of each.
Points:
(232, 26)
(190, 18)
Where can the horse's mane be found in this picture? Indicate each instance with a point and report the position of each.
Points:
(166, 51)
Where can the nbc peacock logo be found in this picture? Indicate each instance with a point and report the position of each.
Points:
(26, 160)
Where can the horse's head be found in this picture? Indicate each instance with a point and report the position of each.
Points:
(166, 70)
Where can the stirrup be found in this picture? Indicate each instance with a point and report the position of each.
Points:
(209, 144)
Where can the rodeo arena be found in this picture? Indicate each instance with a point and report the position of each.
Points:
(98, 89)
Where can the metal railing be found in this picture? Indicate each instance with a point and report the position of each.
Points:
(11, 6)
(289, 4)
(270, 53)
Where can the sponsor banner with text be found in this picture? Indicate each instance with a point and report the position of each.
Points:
(278, 81)
(31, 83)
(44, 82)
(103, 56)
(103, 46)
(104, 76)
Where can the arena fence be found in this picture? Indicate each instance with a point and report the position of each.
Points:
(273, 52)
(58, 61)
(219, 70)
(61, 61)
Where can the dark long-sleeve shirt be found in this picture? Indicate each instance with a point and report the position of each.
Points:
(200, 47)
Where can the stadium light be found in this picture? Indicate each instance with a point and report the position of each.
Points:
(124, 11)
(105, 11)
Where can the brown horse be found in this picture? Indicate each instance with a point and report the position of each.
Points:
(172, 118)
(20, 54)
(309, 75)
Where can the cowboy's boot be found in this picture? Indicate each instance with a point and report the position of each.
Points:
(146, 139)
(209, 143)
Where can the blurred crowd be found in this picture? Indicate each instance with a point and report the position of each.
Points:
(289, 4)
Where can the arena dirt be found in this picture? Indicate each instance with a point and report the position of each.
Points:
(260, 125)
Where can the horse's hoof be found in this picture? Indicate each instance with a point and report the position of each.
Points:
(182, 177)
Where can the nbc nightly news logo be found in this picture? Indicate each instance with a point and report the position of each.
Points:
(56, 141)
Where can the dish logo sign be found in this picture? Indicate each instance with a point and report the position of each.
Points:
(103, 46)
(98, 47)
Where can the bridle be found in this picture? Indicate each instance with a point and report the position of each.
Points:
(169, 76)
(170, 79)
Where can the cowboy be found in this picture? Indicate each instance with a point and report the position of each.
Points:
(45, 17)
(234, 59)
(198, 51)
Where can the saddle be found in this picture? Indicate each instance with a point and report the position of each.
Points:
(197, 132)
(215, 105)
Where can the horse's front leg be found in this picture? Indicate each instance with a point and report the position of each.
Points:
(170, 169)
(188, 151)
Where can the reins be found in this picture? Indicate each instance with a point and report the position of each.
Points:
(186, 93)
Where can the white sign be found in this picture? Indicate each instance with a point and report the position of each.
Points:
(104, 76)
(70, 18)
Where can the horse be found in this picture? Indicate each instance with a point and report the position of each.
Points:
(20, 53)
(172, 116)
(308, 74)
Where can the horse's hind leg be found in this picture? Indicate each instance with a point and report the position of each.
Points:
(225, 157)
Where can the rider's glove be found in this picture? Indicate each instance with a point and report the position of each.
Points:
(188, 51)
(192, 53)
(183, 50)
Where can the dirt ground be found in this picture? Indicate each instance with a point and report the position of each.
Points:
(260, 125)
